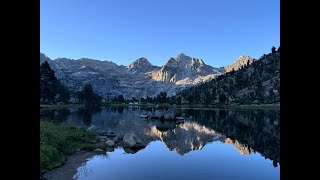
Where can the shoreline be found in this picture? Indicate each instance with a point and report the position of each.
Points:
(69, 169)
(192, 106)
(106, 142)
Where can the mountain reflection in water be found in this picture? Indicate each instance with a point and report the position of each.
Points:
(248, 131)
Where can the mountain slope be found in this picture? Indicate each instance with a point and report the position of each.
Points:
(258, 82)
(241, 61)
(138, 79)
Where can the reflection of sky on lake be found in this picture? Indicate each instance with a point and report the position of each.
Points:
(214, 161)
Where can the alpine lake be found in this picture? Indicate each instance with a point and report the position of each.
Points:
(209, 144)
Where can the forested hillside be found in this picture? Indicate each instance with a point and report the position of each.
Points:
(258, 83)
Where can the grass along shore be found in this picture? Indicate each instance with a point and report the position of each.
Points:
(60, 106)
(57, 142)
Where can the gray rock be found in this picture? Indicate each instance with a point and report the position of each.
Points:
(93, 128)
(109, 149)
(169, 115)
(144, 116)
(101, 132)
(130, 151)
(98, 150)
(149, 114)
(111, 134)
(120, 137)
(179, 118)
(128, 140)
(159, 113)
(116, 139)
(110, 143)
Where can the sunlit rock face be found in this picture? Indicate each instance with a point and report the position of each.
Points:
(140, 66)
(185, 70)
(243, 149)
(241, 61)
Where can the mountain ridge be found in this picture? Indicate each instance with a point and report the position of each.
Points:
(138, 79)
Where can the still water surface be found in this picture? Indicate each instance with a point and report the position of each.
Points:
(210, 144)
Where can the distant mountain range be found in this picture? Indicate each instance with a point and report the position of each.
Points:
(138, 79)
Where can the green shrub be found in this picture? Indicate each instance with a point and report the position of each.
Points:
(57, 141)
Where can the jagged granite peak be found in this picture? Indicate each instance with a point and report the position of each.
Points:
(141, 65)
(186, 69)
(241, 61)
(182, 56)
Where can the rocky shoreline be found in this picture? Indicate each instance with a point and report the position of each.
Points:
(107, 142)
(128, 141)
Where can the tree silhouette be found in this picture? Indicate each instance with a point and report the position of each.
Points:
(121, 99)
(91, 99)
(222, 98)
(51, 90)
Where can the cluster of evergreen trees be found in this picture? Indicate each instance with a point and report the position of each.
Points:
(119, 99)
(52, 91)
(90, 99)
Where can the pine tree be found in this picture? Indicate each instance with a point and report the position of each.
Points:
(48, 83)
(121, 99)
(91, 99)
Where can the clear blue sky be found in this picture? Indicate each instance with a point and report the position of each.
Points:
(218, 31)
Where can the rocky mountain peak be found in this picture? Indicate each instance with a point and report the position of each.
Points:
(183, 57)
(141, 65)
(172, 62)
(141, 62)
(185, 70)
(241, 61)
